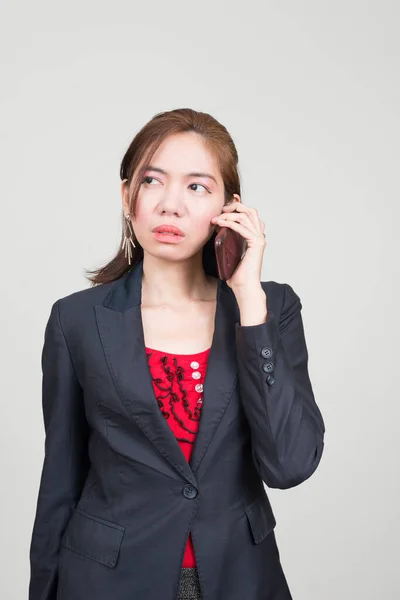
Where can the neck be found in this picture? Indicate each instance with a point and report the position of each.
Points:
(176, 283)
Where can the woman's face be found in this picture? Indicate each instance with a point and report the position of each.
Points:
(182, 187)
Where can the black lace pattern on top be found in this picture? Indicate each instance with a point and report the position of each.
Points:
(167, 394)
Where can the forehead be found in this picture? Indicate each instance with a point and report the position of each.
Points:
(183, 153)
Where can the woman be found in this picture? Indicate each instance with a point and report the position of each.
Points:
(171, 396)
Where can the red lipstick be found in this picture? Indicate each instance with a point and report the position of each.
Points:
(168, 233)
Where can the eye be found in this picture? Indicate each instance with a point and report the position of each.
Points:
(148, 177)
(199, 184)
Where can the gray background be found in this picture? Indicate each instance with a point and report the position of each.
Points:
(310, 93)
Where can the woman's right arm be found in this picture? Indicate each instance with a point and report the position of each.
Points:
(66, 459)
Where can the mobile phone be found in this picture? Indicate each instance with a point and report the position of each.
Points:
(230, 247)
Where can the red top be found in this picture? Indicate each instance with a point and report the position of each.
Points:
(178, 386)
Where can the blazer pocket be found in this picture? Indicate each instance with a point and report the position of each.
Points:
(261, 518)
(93, 537)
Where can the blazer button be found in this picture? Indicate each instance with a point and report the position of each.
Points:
(189, 491)
(268, 367)
(270, 380)
(266, 352)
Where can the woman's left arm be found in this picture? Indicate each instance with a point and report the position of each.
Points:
(287, 428)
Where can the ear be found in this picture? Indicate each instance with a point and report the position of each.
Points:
(234, 198)
(125, 196)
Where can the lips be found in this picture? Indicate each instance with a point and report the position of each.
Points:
(171, 229)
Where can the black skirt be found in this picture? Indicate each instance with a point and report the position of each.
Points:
(189, 586)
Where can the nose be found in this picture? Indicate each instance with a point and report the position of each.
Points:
(172, 201)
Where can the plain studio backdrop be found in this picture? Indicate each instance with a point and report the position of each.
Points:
(310, 93)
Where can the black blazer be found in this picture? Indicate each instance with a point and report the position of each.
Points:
(117, 497)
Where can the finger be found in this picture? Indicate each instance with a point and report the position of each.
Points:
(250, 235)
(236, 216)
(244, 231)
(225, 221)
(243, 218)
(242, 208)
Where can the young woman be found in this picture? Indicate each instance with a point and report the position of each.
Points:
(170, 397)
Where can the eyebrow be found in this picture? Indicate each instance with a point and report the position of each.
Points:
(196, 174)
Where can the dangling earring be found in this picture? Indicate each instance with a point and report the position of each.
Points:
(128, 239)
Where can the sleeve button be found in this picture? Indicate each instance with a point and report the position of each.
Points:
(266, 352)
(270, 380)
(268, 367)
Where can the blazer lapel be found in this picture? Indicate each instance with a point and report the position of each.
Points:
(120, 326)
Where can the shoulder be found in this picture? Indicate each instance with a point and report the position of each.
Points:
(281, 294)
(282, 300)
(75, 309)
(87, 297)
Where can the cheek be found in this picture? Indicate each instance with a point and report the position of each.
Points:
(202, 222)
(208, 214)
(142, 215)
(201, 219)
(207, 210)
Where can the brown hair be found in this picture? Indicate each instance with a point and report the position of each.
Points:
(140, 152)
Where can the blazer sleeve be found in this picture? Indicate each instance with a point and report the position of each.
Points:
(65, 462)
(287, 428)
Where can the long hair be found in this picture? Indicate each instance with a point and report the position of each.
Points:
(138, 156)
